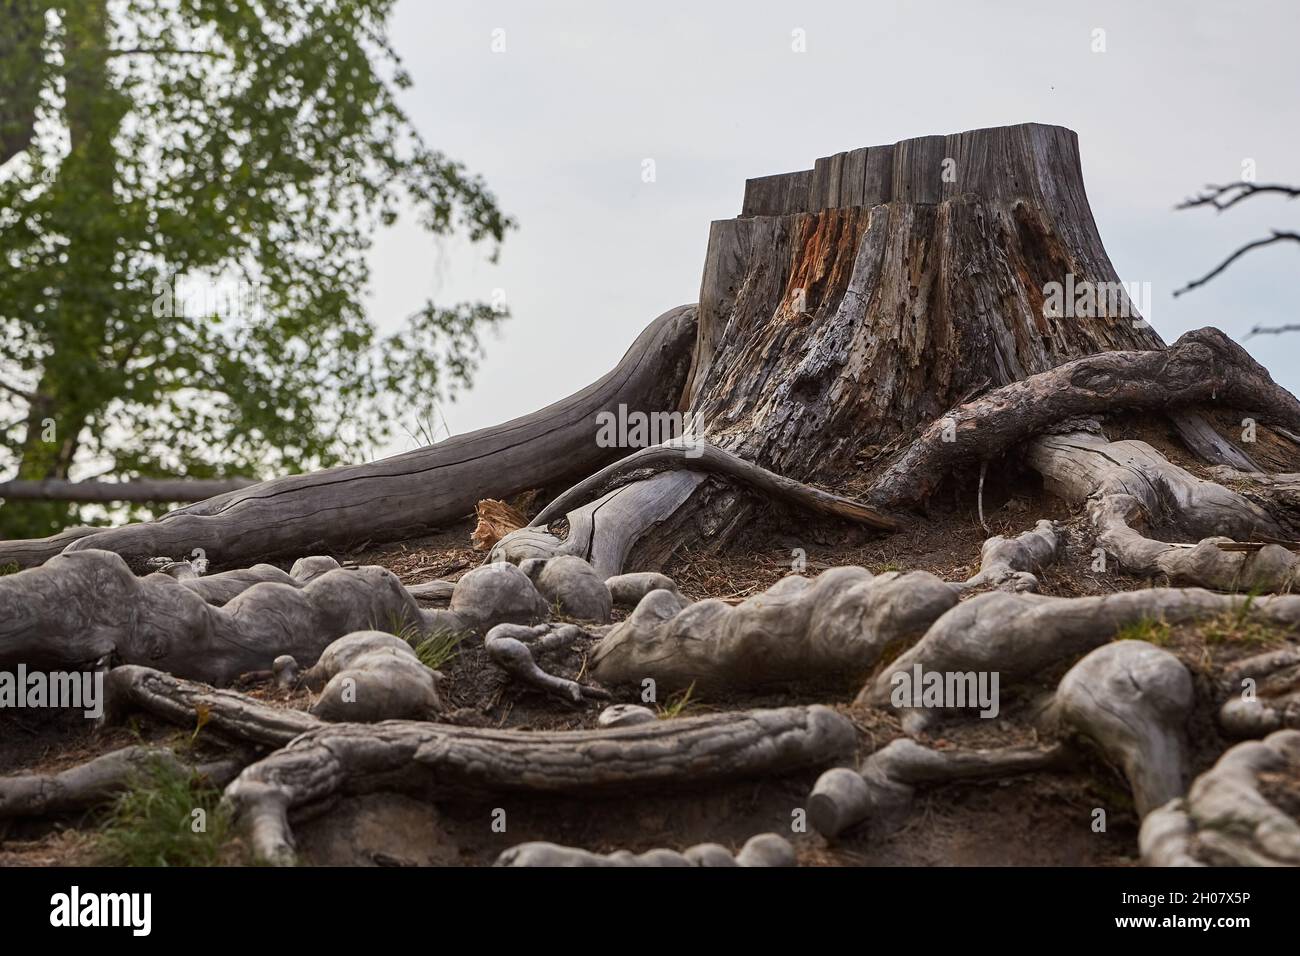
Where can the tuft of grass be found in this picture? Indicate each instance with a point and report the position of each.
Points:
(1147, 629)
(153, 822)
(888, 566)
(433, 648)
(677, 704)
(10, 568)
(1233, 628)
(438, 648)
(1240, 626)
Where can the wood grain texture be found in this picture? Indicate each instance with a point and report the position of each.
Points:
(894, 294)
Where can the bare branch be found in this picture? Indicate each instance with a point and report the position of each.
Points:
(1224, 197)
(1270, 330)
(166, 51)
(1277, 236)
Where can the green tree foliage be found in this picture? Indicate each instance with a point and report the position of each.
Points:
(248, 150)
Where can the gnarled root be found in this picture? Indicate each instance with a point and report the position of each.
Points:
(227, 713)
(491, 594)
(220, 589)
(697, 455)
(1202, 367)
(514, 648)
(883, 789)
(82, 606)
(1128, 486)
(1021, 635)
(627, 590)
(370, 676)
(1277, 493)
(766, 849)
(572, 585)
(1010, 564)
(97, 781)
(1264, 694)
(609, 512)
(435, 759)
(605, 531)
(833, 627)
(1132, 700)
(1226, 818)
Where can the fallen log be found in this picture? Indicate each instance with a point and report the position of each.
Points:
(143, 490)
(408, 493)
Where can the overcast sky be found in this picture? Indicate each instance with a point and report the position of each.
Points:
(560, 123)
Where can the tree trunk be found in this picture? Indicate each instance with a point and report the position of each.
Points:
(850, 303)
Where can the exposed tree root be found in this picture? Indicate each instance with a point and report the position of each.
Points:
(1010, 564)
(697, 455)
(491, 594)
(1278, 493)
(1225, 819)
(1202, 367)
(1264, 694)
(370, 676)
(1128, 483)
(94, 783)
(1132, 700)
(610, 511)
(436, 759)
(1129, 698)
(572, 585)
(604, 532)
(228, 714)
(410, 492)
(627, 590)
(883, 789)
(833, 627)
(514, 648)
(1022, 635)
(766, 849)
(82, 606)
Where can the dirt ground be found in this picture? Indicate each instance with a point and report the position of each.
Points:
(1039, 819)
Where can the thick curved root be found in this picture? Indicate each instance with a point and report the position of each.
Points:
(1263, 694)
(610, 512)
(96, 782)
(571, 585)
(882, 791)
(1227, 818)
(604, 531)
(82, 606)
(514, 648)
(434, 759)
(1132, 700)
(766, 849)
(698, 455)
(1130, 487)
(1202, 367)
(833, 627)
(1021, 635)
(230, 715)
(1010, 564)
(370, 676)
